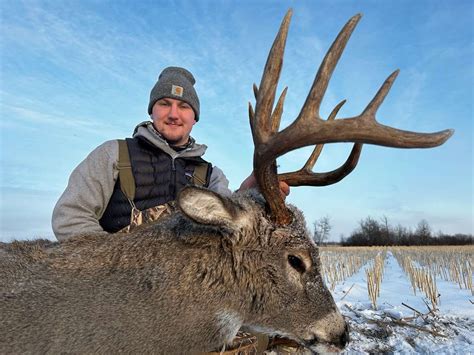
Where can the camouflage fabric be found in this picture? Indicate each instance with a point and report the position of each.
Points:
(253, 343)
(243, 344)
(137, 217)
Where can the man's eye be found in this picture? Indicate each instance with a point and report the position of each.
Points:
(185, 106)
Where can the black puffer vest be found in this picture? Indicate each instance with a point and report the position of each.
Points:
(158, 179)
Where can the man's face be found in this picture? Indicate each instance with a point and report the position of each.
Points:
(174, 119)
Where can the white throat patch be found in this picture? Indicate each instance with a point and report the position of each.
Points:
(229, 324)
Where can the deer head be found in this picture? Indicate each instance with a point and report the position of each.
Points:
(310, 129)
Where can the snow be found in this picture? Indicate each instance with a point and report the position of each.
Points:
(395, 328)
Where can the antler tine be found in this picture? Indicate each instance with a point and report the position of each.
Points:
(313, 101)
(306, 177)
(336, 109)
(255, 91)
(252, 124)
(268, 84)
(265, 124)
(319, 147)
(373, 106)
(276, 115)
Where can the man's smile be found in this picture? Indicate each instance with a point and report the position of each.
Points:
(173, 124)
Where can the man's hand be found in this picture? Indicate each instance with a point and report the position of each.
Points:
(284, 189)
(251, 182)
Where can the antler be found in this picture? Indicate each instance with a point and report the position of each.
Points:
(310, 129)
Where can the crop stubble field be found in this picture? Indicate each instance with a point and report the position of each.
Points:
(404, 299)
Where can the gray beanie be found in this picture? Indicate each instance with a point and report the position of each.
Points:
(175, 83)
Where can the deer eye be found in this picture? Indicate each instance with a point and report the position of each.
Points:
(296, 263)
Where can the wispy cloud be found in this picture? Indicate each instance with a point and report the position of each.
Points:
(48, 120)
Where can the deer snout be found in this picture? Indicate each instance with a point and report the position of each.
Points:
(343, 338)
(337, 343)
(330, 333)
(318, 346)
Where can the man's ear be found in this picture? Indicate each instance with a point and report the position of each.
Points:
(207, 207)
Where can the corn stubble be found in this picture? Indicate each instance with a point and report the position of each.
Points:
(422, 264)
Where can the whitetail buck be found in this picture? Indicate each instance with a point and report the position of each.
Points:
(189, 282)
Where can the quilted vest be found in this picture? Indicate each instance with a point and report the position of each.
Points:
(158, 179)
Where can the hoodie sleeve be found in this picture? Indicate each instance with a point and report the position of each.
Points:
(219, 182)
(87, 194)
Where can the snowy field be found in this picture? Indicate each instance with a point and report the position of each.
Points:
(402, 322)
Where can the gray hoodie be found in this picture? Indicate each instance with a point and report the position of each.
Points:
(92, 182)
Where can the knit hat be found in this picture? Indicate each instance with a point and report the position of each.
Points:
(175, 83)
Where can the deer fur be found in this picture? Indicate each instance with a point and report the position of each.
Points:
(183, 285)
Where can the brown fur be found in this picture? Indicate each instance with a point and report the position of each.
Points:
(176, 286)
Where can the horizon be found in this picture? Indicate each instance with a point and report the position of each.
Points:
(76, 74)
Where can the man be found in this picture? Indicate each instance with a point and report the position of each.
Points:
(163, 156)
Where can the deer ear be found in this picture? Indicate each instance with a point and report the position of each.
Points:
(206, 207)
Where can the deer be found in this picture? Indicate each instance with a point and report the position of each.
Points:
(189, 282)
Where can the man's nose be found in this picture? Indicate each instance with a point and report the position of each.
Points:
(174, 111)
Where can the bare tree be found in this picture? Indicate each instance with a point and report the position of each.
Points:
(386, 238)
(322, 228)
(402, 235)
(423, 232)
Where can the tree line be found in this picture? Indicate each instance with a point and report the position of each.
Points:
(372, 232)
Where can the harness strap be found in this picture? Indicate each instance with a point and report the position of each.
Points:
(201, 175)
(127, 181)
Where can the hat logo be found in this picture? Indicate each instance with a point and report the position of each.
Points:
(177, 90)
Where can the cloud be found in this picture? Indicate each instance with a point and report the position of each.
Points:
(48, 119)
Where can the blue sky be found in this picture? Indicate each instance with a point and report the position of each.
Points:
(77, 73)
